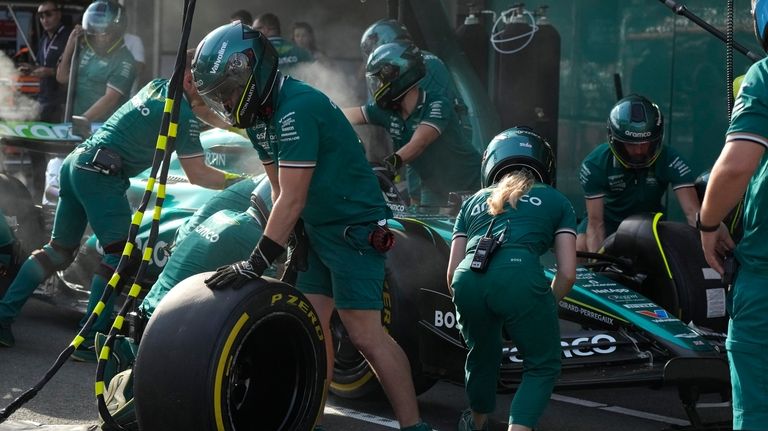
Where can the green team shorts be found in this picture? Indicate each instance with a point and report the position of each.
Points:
(344, 266)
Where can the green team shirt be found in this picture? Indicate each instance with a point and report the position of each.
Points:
(438, 78)
(308, 130)
(132, 130)
(749, 122)
(94, 74)
(541, 214)
(447, 164)
(288, 53)
(224, 238)
(236, 197)
(626, 192)
(438, 81)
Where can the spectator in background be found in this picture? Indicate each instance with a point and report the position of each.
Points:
(242, 16)
(304, 37)
(54, 38)
(289, 54)
(105, 67)
(52, 95)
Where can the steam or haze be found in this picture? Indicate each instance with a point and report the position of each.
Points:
(343, 89)
(331, 81)
(13, 104)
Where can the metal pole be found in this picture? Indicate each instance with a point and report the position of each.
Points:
(23, 35)
(72, 83)
(683, 11)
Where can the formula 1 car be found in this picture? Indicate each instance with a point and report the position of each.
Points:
(647, 311)
(30, 223)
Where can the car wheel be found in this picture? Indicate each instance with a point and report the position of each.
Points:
(352, 376)
(24, 224)
(251, 358)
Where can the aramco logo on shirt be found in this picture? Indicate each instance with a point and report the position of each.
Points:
(219, 57)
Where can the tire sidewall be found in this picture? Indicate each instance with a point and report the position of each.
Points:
(189, 347)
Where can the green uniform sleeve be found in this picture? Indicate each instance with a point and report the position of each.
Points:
(438, 78)
(122, 76)
(677, 170)
(188, 137)
(593, 180)
(438, 112)
(298, 135)
(260, 138)
(375, 115)
(567, 223)
(750, 112)
(460, 226)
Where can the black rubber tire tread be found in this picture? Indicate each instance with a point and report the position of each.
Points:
(266, 330)
(414, 263)
(682, 247)
(15, 201)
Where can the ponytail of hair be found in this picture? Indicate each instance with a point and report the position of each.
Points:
(513, 186)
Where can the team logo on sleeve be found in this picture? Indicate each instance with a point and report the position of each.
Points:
(584, 174)
(436, 109)
(681, 167)
(288, 131)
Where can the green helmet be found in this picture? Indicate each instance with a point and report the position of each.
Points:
(104, 24)
(381, 32)
(514, 149)
(235, 71)
(392, 70)
(634, 120)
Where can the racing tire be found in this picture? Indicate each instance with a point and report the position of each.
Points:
(682, 246)
(25, 224)
(245, 359)
(415, 262)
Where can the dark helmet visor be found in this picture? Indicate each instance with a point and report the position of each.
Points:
(380, 81)
(226, 96)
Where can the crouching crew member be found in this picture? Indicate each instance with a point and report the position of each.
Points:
(498, 282)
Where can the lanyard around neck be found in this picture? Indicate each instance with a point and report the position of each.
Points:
(47, 46)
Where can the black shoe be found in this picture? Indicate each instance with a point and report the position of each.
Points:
(6, 336)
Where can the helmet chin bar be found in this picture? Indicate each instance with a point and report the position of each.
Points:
(619, 150)
(105, 48)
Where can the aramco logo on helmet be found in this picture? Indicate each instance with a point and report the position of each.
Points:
(637, 134)
(219, 57)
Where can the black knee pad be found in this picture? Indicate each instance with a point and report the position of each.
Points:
(51, 264)
(117, 248)
(12, 251)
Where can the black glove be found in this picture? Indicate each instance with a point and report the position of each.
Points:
(298, 251)
(239, 273)
(392, 163)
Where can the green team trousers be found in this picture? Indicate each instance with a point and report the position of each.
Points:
(513, 295)
(85, 198)
(747, 346)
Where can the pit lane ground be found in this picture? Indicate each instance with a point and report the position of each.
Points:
(67, 402)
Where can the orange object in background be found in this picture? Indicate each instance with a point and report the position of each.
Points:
(27, 84)
(24, 82)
